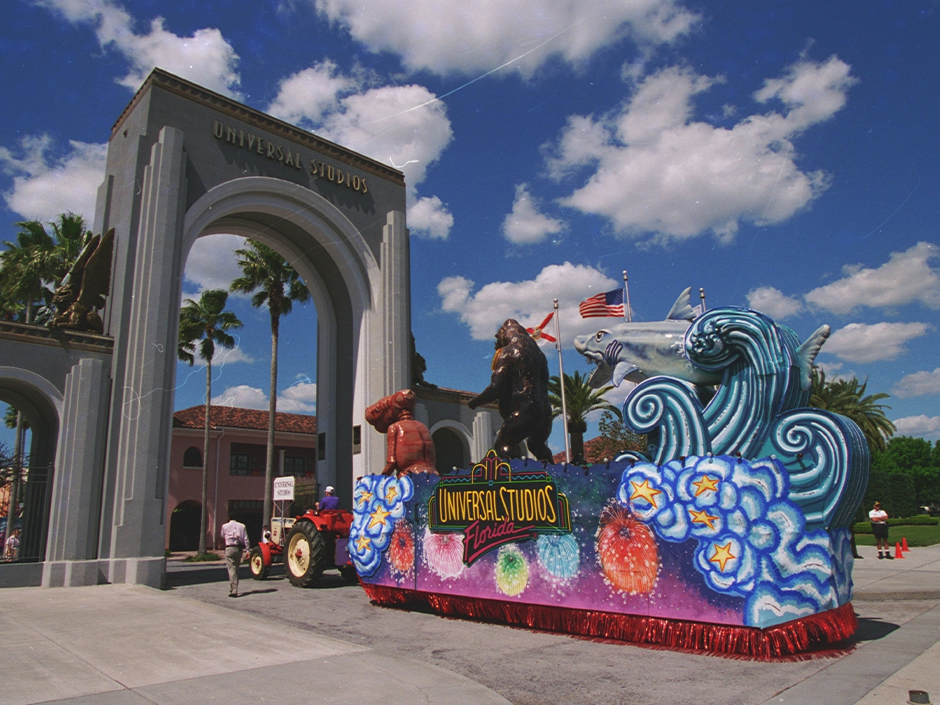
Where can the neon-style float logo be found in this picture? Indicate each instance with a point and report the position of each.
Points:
(494, 505)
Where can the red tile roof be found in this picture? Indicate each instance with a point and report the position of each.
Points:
(233, 417)
(595, 451)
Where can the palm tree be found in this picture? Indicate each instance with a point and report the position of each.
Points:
(275, 283)
(847, 397)
(581, 399)
(39, 259)
(205, 322)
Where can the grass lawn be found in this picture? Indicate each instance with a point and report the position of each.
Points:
(916, 536)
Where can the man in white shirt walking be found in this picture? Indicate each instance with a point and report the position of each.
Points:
(235, 539)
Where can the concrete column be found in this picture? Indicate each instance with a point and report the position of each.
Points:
(72, 546)
(141, 458)
(396, 303)
(483, 436)
(421, 414)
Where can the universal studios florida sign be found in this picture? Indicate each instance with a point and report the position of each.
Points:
(494, 505)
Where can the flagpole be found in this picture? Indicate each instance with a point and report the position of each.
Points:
(561, 379)
(627, 313)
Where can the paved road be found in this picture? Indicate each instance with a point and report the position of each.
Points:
(529, 668)
(128, 645)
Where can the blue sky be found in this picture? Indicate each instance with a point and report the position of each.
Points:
(780, 155)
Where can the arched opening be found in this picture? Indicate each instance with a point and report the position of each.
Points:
(31, 488)
(184, 526)
(450, 449)
(341, 273)
(192, 457)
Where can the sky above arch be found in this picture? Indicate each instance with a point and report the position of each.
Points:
(780, 156)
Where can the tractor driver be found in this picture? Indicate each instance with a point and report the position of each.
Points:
(330, 500)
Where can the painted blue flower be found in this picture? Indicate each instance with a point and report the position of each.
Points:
(378, 502)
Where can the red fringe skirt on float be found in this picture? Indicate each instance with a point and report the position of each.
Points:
(793, 638)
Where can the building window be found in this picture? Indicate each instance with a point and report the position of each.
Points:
(357, 439)
(192, 458)
(294, 466)
(240, 464)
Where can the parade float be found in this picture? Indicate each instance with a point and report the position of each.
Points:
(730, 535)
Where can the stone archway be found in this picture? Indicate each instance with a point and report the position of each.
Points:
(183, 163)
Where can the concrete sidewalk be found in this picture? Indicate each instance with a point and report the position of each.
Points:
(123, 645)
(884, 671)
(129, 645)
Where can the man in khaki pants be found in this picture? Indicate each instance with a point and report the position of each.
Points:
(235, 539)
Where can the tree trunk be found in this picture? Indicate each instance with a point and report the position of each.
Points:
(205, 461)
(272, 418)
(576, 429)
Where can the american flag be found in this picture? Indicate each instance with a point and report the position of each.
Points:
(603, 305)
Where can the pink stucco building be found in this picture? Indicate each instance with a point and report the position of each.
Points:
(237, 449)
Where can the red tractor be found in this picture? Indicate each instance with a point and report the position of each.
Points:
(307, 544)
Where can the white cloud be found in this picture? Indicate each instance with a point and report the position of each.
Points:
(526, 224)
(403, 126)
(527, 301)
(473, 36)
(242, 397)
(860, 342)
(653, 169)
(205, 57)
(924, 426)
(211, 263)
(45, 185)
(224, 356)
(429, 217)
(918, 384)
(307, 95)
(773, 302)
(905, 278)
(301, 398)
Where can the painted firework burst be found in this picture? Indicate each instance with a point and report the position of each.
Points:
(512, 570)
(627, 550)
(401, 551)
(443, 552)
(559, 553)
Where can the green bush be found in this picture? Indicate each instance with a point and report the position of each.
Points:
(202, 558)
(864, 527)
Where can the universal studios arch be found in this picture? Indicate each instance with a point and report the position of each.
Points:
(183, 163)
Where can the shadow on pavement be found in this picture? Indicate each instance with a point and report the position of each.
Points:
(199, 574)
(873, 629)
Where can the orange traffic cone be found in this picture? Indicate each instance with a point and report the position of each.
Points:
(904, 544)
(898, 553)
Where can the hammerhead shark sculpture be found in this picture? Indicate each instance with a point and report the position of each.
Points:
(636, 351)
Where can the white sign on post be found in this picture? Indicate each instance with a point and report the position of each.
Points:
(284, 489)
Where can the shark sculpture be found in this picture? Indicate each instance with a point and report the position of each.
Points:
(638, 351)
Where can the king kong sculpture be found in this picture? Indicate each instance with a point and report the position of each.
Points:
(520, 387)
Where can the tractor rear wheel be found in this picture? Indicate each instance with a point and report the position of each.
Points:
(305, 556)
(259, 571)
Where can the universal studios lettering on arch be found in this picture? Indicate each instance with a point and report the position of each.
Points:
(494, 505)
(286, 156)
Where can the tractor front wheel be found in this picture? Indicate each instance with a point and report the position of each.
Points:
(259, 571)
(305, 556)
